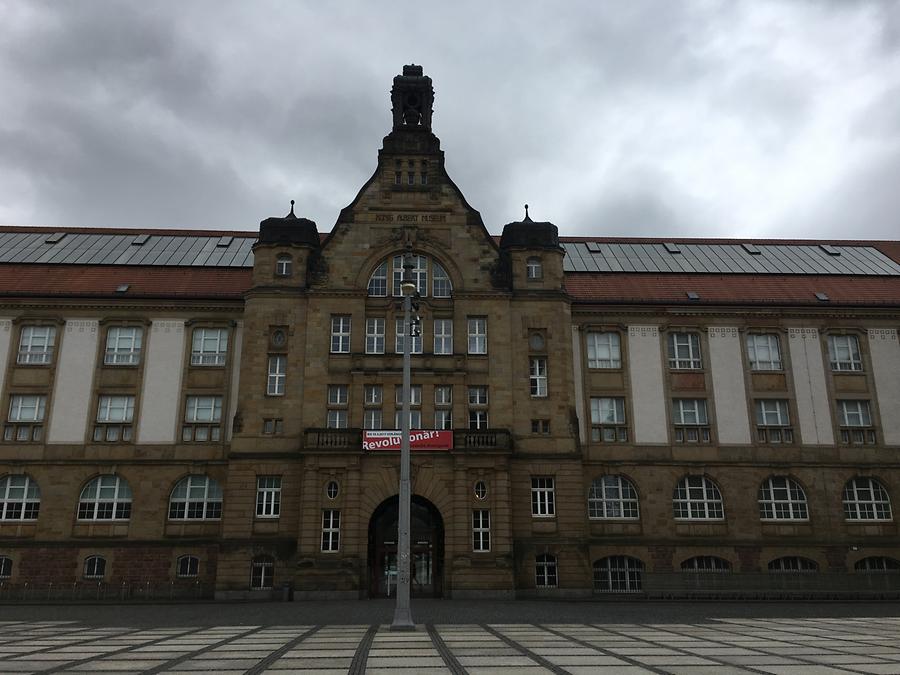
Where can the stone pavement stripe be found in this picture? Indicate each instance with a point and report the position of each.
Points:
(96, 638)
(31, 636)
(452, 662)
(281, 651)
(168, 665)
(605, 652)
(527, 652)
(358, 664)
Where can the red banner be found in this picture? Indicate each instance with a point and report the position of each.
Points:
(419, 439)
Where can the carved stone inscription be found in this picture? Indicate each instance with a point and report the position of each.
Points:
(410, 217)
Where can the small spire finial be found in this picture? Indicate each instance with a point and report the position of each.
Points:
(527, 217)
(292, 207)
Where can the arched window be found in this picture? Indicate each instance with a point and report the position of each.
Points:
(440, 286)
(378, 281)
(876, 564)
(381, 286)
(618, 574)
(284, 265)
(533, 269)
(697, 498)
(782, 498)
(866, 499)
(187, 566)
(706, 563)
(106, 497)
(5, 567)
(793, 563)
(196, 498)
(20, 498)
(262, 573)
(94, 567)
(545, 571)
(612, 497)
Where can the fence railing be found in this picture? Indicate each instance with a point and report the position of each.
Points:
(86, 591)
(463, 439)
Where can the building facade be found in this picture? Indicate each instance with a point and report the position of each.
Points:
(192, 412)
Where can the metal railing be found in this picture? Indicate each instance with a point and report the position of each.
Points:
(463, 439)
(87, 591)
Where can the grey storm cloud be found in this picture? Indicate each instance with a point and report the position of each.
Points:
(706, 118)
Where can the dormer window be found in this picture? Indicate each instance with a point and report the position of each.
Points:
(533, 269)
(284, 266)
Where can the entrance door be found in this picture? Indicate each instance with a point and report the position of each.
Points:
(427, 549)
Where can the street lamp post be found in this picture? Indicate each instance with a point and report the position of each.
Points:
(402, 613)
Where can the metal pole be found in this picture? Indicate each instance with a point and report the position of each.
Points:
(402, 614)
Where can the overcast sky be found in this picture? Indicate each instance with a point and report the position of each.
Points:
(745, 119)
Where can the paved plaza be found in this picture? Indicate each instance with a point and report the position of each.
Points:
(816, 641)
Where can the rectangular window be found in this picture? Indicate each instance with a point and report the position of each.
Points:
(540, 426)
(478, 401)
(443, 336)
(114, 417)
(763, 351)
(415, 419)
(608, 420)
(373, 394)
(477, 335)
(372, 418)
(419, 274)
(773, 422)
(276, 376)
(684, 351)
(337, 419)
(443, 419)
(209, 346)
(340, 334)
(374, 336)
(690, 420)
(25, 419)
(268, 496)
(338, 394)
(542, 497)
(538, 376)
(273, 426)
(855, 420)
(478, 395)
(481, 530)
(123, 346)
(843, 352)
(478, 419)
(604, 350)
(331, 530)
(415, 395)
(202, 417)
(443, 395)
(416, 347)
(36, 345)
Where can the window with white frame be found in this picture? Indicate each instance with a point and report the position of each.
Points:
(697, 498)
(283, 266)
(478, 407)
(855, 420)
(705, 563)
(690, 420)
(604, 350)
(443, 336)
(877, 564)
(612, 497)
(6, 564)
(187, 566)
(866, 499)
(196, 497)
(340, 334)
(545, 571)
(373, 396)
(123, 345)
(276, 375)
(25, 422)
(477, 327)
(608, 420)
(537, 375)
(782, 498)
(378, 281)
(415, 419)
(441, 286)
(273, 426)
(20, 497)
(332, 489)
(374, 335)
(202, 419)
(773, 422)
(36, 345)
(843, 353)
(262, 573)
(106, 497)
(400, 334)
(419, 274)
(331, 530)
(209, 346)
(443, 419)
(684, 351)
(618, 574)
(94, 567)
(415, 402)
(533, 269)
(543, 503)
(338, 398)
(481, 530)
(443, 406)
(114, 419)
(793, 563)
(268, 496)
(764, 351)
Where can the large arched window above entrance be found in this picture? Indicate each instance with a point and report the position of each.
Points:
(427, 273)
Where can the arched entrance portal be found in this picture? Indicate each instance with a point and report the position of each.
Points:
(427, 544)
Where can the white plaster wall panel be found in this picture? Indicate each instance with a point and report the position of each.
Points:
(809, 385)
(578, 367)
(647, 395)
(236, 345)
(72, 392)
(161, 391)
(727, 366)
(884, 348)
(5, 337)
